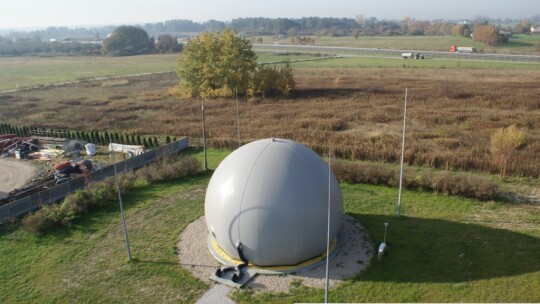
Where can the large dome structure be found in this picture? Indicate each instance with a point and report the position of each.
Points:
(271, 195)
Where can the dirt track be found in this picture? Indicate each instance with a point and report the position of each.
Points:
(13, 174)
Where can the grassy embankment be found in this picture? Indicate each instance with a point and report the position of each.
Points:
(441, 249)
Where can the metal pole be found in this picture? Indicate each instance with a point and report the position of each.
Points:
(238, 119)
(402, 153)
(204, 136)
(120, 201)
(328, 225)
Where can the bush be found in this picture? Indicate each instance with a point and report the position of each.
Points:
(439, 182)
(271, 81)
(65, 213)
(169, 168)
(37, 222)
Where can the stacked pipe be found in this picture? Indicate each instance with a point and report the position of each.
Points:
(10, 141)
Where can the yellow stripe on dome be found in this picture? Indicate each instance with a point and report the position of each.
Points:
(223, 255)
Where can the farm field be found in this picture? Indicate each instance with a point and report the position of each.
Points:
(442, 248)
(20, 72)
(519, 44)
(31, 71)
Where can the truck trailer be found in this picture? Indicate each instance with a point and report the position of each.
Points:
(462, 49)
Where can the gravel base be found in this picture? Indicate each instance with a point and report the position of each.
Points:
(353, 257)
(14, 174)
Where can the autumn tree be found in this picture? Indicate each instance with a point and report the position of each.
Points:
(461, 30)
(488, 34)
(356, 33)
(523, 27)
(505, 144)
(216, 65)
(416, 28)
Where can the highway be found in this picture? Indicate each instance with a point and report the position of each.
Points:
(391, 53)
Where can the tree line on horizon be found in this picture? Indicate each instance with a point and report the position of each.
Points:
(273, 26)
(80, 41)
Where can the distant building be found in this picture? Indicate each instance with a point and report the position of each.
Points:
(535, 29)
(245, 34)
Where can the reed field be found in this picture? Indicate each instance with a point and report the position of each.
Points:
(452, 113)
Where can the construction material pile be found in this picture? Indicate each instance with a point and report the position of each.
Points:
(12, 145)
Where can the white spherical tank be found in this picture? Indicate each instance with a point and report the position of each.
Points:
(272, 196)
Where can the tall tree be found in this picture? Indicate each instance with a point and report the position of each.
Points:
(216, 65)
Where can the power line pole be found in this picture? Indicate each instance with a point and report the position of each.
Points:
(402, 154)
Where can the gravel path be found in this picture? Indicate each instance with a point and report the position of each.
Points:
(353, 257)
(13, 174)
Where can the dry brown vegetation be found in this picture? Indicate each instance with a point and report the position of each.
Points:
(452, 113)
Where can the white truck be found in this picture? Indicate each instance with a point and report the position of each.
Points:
(412, 56)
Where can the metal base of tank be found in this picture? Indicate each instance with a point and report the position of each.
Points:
(226, 278)
(226, 260)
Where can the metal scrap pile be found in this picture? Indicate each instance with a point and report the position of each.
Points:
(61, 173)
(10, 145)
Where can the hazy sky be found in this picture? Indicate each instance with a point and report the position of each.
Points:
(40, 13)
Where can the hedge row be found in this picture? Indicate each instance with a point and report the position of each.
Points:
(95, 137)
(169, 168)
(461, 184)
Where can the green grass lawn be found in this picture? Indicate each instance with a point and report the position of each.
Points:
(441, 249)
